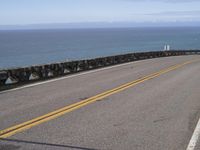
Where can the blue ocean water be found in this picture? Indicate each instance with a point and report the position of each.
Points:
(30, 47)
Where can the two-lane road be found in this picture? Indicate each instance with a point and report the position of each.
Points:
(146, 105)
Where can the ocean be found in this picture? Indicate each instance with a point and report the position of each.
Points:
(19, 48)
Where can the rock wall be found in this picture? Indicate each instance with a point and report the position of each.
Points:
(10, 78)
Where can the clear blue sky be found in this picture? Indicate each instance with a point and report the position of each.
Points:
(69, 11)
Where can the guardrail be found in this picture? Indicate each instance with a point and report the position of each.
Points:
(10, 78)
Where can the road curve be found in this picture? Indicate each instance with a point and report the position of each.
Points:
(158, 113)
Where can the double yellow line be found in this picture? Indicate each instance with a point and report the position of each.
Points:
(52, 115)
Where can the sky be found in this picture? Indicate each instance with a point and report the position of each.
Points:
(23, 12)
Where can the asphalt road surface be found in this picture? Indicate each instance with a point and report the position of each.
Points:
(157, 108)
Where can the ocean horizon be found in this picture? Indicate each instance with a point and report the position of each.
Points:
(19, 48)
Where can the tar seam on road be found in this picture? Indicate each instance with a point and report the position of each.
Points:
(52, 115)
(195, 137)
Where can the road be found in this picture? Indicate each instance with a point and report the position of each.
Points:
(157, 110)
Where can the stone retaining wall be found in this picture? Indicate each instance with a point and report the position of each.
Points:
(10, 78)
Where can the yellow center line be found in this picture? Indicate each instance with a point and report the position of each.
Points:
(52, 115)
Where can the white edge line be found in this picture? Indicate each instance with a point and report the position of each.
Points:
(70, 76)
(195, 137)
